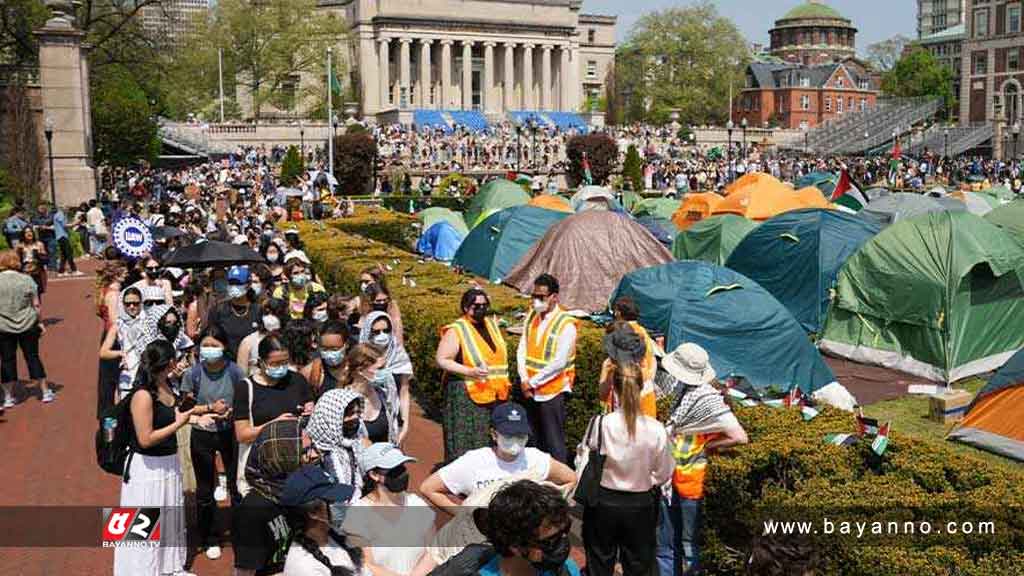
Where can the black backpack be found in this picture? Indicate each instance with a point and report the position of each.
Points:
(114, 456)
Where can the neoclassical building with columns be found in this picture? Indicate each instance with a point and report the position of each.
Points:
(488, 56)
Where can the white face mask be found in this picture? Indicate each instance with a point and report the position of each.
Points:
(540, 306)
(271, 323)
(512, 445)
(320, 315)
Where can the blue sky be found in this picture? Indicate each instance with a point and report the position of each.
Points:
(875, 19)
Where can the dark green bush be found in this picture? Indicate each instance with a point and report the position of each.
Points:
(633, 169)
(354, 155)
(602, 153)
(291, 167)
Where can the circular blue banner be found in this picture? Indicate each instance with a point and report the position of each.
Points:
(132, 237)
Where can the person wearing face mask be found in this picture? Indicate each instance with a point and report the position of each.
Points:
(387, 503)
(474, 357)
(212, 383)
(130, 333)
(315, 309)
(239, 315)
(275, 258)
(507, 456)
(364, 373)
(300, 286)
(316, 549)
(546, 361)
(219, 283)
(272, 312)
(337, 430)
(375, 295)
(153, 287)
(271, 393)
(327, 370)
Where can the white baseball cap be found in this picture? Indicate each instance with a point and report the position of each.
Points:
(690, 364)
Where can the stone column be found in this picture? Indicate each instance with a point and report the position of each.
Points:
(384, 53)
(489, 103)
(65, 100)
(369, 74)
(467, 74)
(446, 74)
(574, 78)
(424, 96)
(510, 78)
(545, 77)
(563, 80)
(405, 81)
(528, 77)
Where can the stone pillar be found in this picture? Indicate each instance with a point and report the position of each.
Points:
(999, 111)
(489, 103)
(545, 77)
(467, 74)
(384, 66)
(424, 96)
(404, 76)
(510, 78)
(446, 74)
(368, 70)
(563, 80)
(574, 78)
(528, 77)
(63, 73)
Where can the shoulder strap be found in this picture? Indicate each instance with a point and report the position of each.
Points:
(248, 381)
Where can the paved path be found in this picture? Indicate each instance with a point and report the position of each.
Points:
(48, 452)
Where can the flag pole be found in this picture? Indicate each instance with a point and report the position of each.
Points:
(220, 73)
(330, 114)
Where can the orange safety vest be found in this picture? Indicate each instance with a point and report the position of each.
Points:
(648, 398)
(691, 464)
(647, 365)
(540, 351)
(476, 352)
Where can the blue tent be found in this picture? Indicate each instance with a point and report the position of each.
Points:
(496, 245)
(745, 330)
(797, 255)
(440, 241)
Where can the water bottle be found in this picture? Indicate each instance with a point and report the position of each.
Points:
(109, 429)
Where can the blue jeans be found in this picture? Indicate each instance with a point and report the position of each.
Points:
(678, 548)
(51, 248)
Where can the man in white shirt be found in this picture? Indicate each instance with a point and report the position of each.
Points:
(97, 226)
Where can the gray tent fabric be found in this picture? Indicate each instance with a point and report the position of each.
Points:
(589, 253)
(902, 205)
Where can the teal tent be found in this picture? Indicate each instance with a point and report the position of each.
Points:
(662, 208)
(797, 255)
(712, 239)
(430, 216)
(494, 196)
(824, 181)
(745, 330)
(499, 242)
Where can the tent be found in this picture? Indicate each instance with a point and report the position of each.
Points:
(939, 296)
(662, 208)
(694, 208)
(430, 216)
(712, 239)
(899, 205)
(745, 330)
(797, 255)
(589, 253)
(823, 181)
(551, 202)
(630, 199)
(494, 196)
(440, 241)
(975, 202)
(995, 419)
(1001, 193)
(595, 198)
(662, 229)
(756, 181)
(499, 242)
(762, 201)
(1009, 217)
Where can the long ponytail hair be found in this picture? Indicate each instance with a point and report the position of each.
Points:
(297, 518)
(627, 382)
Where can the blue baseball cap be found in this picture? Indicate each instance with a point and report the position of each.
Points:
(509, 419)
(312, 483)
(238, 275)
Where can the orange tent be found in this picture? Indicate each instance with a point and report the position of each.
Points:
(763, 202)
(551, 202)
(756, 181)
(695, 207)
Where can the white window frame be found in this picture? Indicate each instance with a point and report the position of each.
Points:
(805, 82)
(805, 102)
(1012, 29)
(982, 14)
(591, 68)
(839, 105)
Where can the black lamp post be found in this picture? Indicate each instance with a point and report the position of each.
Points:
(302, 142)
(519, 133)
(743, 148)
(48, 130)
(728, 149)
(945, 144)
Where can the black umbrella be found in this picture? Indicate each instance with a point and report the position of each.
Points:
(165, 232)
(210, 254)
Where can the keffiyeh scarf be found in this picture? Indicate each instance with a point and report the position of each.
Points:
(276, 453)
(396, 359)
(341, 455)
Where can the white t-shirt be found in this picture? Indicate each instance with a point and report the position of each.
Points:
(478, 468)
(299, 562)
(401, 532)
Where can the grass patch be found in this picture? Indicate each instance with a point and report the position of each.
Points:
(909, 415)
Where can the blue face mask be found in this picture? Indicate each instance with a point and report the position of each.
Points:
(220, 286)
(276, 372)
(211, 353)
(332, 357)
(236, 291)
(257, 289)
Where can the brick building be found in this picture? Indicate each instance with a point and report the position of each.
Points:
(991, 61)
(813, 33)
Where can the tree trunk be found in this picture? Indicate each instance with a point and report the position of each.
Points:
(20, 150)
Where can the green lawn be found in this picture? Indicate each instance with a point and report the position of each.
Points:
(909, 415)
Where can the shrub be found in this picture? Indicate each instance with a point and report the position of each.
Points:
(632, 169)
(291, 167)
(602, 153)
(354, 155)
(464, 183)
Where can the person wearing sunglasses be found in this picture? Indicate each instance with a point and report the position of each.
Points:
(474, 357)
(130, 333)
(155, 290)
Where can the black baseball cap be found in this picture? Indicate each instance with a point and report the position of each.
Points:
(509, 419)
(312, 483)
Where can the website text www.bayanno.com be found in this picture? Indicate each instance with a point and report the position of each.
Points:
(866, 529)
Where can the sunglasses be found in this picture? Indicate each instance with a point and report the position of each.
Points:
(478, 306)
(132, 304)
(382, 302)
(152, 269)
(382, 331)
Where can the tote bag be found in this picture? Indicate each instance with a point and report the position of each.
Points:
(590, 463)
(243, 451)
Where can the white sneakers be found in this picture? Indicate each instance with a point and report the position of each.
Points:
(48, 396)
(220, 493)
(213, 552)
(9, 402)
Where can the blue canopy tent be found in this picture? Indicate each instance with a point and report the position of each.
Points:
(440, 241)
(745, 330)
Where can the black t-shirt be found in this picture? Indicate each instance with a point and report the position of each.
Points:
(260, 535)
(163, 416)
(236, 327)
(269, 402)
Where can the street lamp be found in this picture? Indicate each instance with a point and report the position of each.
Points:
(743, 148)
(302, 141)
(945, 144)
(330, 152)
(533, 142)
(728, 149)
(48, 130)
(519, 133)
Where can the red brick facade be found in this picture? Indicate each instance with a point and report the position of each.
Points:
(802, 107)
(993, 61)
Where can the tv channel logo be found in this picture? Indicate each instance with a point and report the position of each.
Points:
(131, 527)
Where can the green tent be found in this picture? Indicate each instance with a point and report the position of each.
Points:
(661, 208)
(938, 295)
(494, 196)
(499, 242)
(1010, 217)
(630, 199)
(824, 181)
(712, 239)
(430, 216)
(1001, 193)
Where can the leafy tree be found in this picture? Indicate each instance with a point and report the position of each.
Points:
(21, 168)
(920, 74)
(884, 55)
(632, 169)
(682, 58)
(291, 166)
(602, 154)
(124, 126)
(354, 156)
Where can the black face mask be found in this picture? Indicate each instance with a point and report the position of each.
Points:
(152, 274)
(399, 483)
(350, 428)
(170, 331)
(380, 306)
(478, 314)
(553, 556)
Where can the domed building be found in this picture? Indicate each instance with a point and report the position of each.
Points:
(813, 33)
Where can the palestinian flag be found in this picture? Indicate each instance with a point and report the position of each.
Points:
(841, 439)
(588, 178)
(795, 397)
(881, 441)
(866, 426)
(847, 195)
